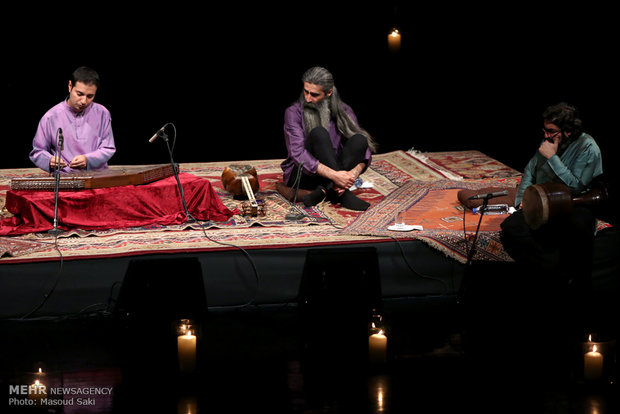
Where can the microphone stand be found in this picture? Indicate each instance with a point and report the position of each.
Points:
(291, 214)
(164, 136)
(55, 231)
(472, 252)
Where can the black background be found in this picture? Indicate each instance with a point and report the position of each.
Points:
(466, 77)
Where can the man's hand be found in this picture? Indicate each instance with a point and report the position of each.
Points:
(55, 161)
(549, 149)
(79, 162)
(343, 179)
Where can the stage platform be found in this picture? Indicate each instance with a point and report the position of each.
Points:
(259, 261)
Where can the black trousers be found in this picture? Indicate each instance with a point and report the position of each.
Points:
(319, 144)
(555, 261)
(564, 244)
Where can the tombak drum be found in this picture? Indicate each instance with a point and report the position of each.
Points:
(541, 202)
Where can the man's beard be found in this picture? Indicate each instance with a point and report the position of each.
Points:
(316, 114)
(564, 143)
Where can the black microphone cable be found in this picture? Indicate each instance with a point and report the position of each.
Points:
(252, 301)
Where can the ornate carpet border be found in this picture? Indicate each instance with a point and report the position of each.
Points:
(168, 241)
(13, 247)
(472, 164)
(374, 222)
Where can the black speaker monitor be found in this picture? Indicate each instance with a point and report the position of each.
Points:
(164, 288)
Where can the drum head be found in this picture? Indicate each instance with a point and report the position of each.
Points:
(535, 205)
(541, 202)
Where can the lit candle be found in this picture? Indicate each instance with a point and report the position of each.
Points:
(394, 41)
(187, 352)
(377, 345)
(184, 326)
(592, 365)
(187, 405)
(36, 390)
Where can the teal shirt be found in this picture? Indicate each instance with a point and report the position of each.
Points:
(575, 167)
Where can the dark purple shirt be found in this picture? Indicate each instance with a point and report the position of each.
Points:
(295, 139)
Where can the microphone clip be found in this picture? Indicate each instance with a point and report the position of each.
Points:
(162, 134)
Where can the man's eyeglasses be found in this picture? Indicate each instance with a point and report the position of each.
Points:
(551, 132)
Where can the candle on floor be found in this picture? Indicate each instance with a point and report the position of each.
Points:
(377, 346)
(593, 365)
(187, 405)
(37, 390)
(187, 352)
(394, 41)
(184, 325)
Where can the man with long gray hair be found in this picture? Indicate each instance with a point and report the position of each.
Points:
(324, 139)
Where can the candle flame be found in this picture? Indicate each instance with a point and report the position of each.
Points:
(381, 332)
(189, 333)
(394, 33)
(593, 348)
(40, 371)
(37, 383)
(590, 338)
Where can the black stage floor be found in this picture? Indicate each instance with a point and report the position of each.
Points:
(488, 353)
(511, 343)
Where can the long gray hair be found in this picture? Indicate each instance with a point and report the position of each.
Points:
(347, 127)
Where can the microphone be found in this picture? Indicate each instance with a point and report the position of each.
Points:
(61, 140)
(158, 133)
(489, 195)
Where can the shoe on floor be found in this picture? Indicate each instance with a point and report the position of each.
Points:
(289, 193)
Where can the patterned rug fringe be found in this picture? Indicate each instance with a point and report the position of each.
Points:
(420, 156)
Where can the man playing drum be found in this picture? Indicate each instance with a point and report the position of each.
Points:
(561, 249)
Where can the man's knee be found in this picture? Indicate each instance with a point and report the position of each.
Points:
(357, 142)
(353, 151)
(515, 225)
(318, 136)
(581, 221)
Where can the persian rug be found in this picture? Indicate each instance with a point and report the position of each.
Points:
(320, 225)
(12, 246)
(465, 164)
(446, 224)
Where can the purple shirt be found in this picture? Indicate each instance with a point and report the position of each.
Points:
(295, 139)
(86, 133)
